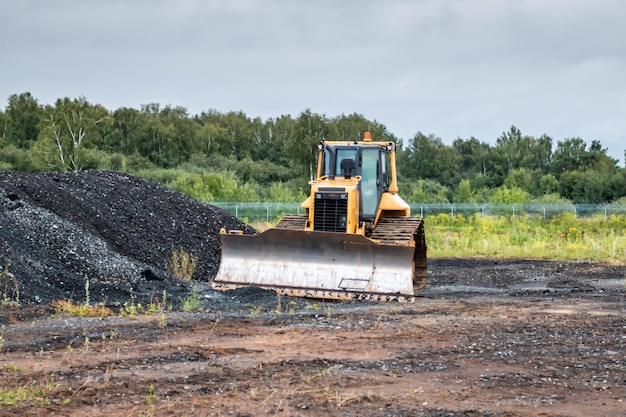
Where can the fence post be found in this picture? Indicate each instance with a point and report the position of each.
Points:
(422, 211)
(237, 210)
(514, 209)
(267, 213)
(544, 212)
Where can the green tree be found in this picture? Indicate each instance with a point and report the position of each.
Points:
(239, 129)
(590, 186)
(126, 133)
(5, 133)
(568, 156)
(157, 136)
(446, 166)
(310, 129)
(424, 191)
(527, 180)
(230, 134)
(261, 139)
(596, 158)
(426, 157)
(353, 126)
(280, 133)
(211, 136)
(514, 150)
(67, 127)
(464, 193)
(474, 157)
(506, 195)
(417, 159)
(14, 158)
(548, 184)
(24, 115)
(542, 154)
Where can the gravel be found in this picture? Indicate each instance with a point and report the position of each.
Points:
(115, 231)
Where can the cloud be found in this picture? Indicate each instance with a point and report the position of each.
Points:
(454, 68)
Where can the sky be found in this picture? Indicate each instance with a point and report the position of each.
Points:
(451, 68)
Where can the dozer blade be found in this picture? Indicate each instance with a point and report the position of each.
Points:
(317, 264)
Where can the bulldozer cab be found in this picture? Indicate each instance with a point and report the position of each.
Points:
(367, 163)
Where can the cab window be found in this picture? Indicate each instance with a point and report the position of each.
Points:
(345, 162)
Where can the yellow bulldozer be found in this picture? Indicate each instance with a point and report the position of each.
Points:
(357, 240)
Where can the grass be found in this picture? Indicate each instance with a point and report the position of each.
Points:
(28, 395)
(193, 302)
(182, 264)
(84, 309)
(10, 286)
(69, 308)
(565, 237)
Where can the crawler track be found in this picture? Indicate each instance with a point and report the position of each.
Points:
(293, 222)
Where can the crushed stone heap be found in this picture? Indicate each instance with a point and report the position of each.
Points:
(115, 230)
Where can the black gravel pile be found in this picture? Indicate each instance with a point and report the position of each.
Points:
(117, 231)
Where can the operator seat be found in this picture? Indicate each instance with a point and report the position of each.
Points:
(348, 168)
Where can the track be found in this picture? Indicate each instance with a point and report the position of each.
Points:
(293, 222)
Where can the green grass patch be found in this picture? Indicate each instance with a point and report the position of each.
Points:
(28, 395)
(564, 237)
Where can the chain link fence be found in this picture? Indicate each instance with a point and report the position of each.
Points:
(269, 212)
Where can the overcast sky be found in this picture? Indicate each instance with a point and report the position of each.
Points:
(452, 68)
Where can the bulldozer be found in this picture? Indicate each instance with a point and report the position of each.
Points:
(357, 240)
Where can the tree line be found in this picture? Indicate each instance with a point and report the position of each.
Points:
(233, 157)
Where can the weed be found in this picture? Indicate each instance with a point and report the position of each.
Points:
(150, 396)
(323, 373)
(162, 320)
(253, 392)
(86, 383)
(69, 308)
(28, 395)
(343, 399)
(149, 402)
(67, 357)
(291, 307)
(12, 368)
(10, 284)
(85, 309)
(256, 310)
(279, 307)
(130, 309)
(192, 302)
(87, 292)
(157, 305)
(107, 375)
(182, 264)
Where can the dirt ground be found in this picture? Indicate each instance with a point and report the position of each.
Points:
(487, 338)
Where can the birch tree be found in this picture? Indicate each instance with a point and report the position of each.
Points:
(67, 127)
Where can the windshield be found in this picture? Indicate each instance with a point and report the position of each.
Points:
(345, 162)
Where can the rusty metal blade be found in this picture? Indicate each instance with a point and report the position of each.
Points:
(316, 263)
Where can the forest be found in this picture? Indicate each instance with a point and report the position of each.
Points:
(214, 156)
